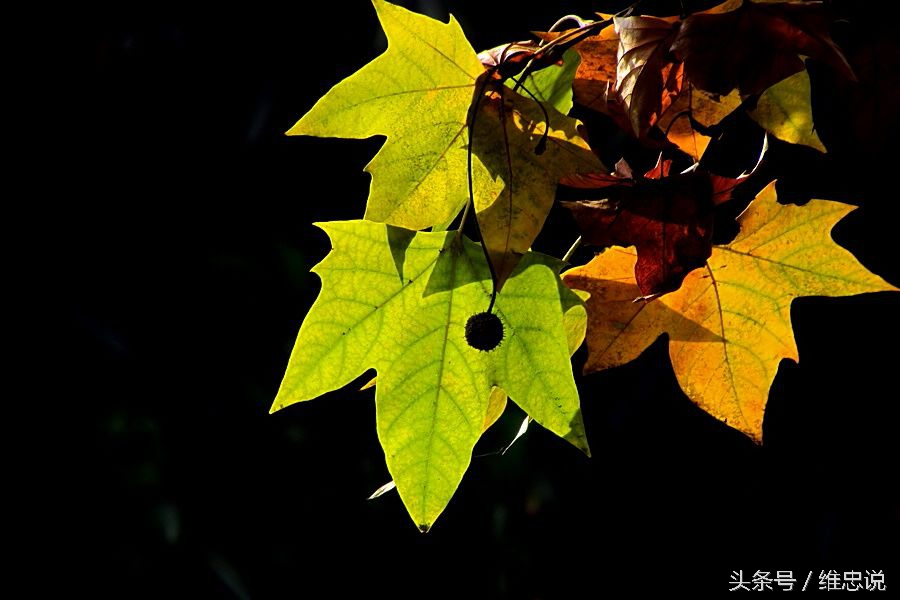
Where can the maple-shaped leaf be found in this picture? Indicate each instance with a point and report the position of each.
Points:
(669, 218)
(417, 94)
(785, 111)
(755, 45)
(575, 322)
(527, 148)
(399, 302)
(729, 324)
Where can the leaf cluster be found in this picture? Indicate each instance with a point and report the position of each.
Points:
(480, 143)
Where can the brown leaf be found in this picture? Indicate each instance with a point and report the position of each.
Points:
(647, 78)
(668, 218)
(755, 46)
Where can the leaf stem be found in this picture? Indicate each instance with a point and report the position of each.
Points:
(581, 22)
(567, 40)
(473, 115)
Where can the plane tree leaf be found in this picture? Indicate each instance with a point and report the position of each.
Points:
(527, 147)
(398, 301)
(668, 217)
(729, 325)
(575, 322)
(417, 94)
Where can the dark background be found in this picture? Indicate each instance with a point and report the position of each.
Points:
(186, 277)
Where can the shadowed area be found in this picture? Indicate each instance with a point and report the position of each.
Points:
(182, 275)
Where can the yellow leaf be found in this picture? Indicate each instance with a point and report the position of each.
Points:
(705, 108)
(784, 110)
(496, 406)
(418, 94)
(729, 324)
(507, 137)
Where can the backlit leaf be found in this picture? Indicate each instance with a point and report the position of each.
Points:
(417, 94)
(729, 325)
(784, 110)
(508, 137)
(398, 301)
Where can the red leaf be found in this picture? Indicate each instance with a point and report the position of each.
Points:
(755, 46)
(668, 218)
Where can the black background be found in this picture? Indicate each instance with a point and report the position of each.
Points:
(186, 277)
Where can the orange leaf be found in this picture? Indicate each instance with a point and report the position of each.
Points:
(692, 106)
(729, 325)
(669, 219)
(596, 73)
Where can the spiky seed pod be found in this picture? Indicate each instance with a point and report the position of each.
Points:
(484, 331)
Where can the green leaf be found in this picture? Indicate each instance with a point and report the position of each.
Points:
(398, 301)
(417, 93)
(784, 110)
(552, 86)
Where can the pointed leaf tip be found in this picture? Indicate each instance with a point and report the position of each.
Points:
(417, 95)
(404, 315)
(729, 325)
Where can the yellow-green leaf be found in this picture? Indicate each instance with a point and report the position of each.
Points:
(784, 110)
(417, 93)
(507, 137)
(398, 301)
(729, 324)
(552, 86)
